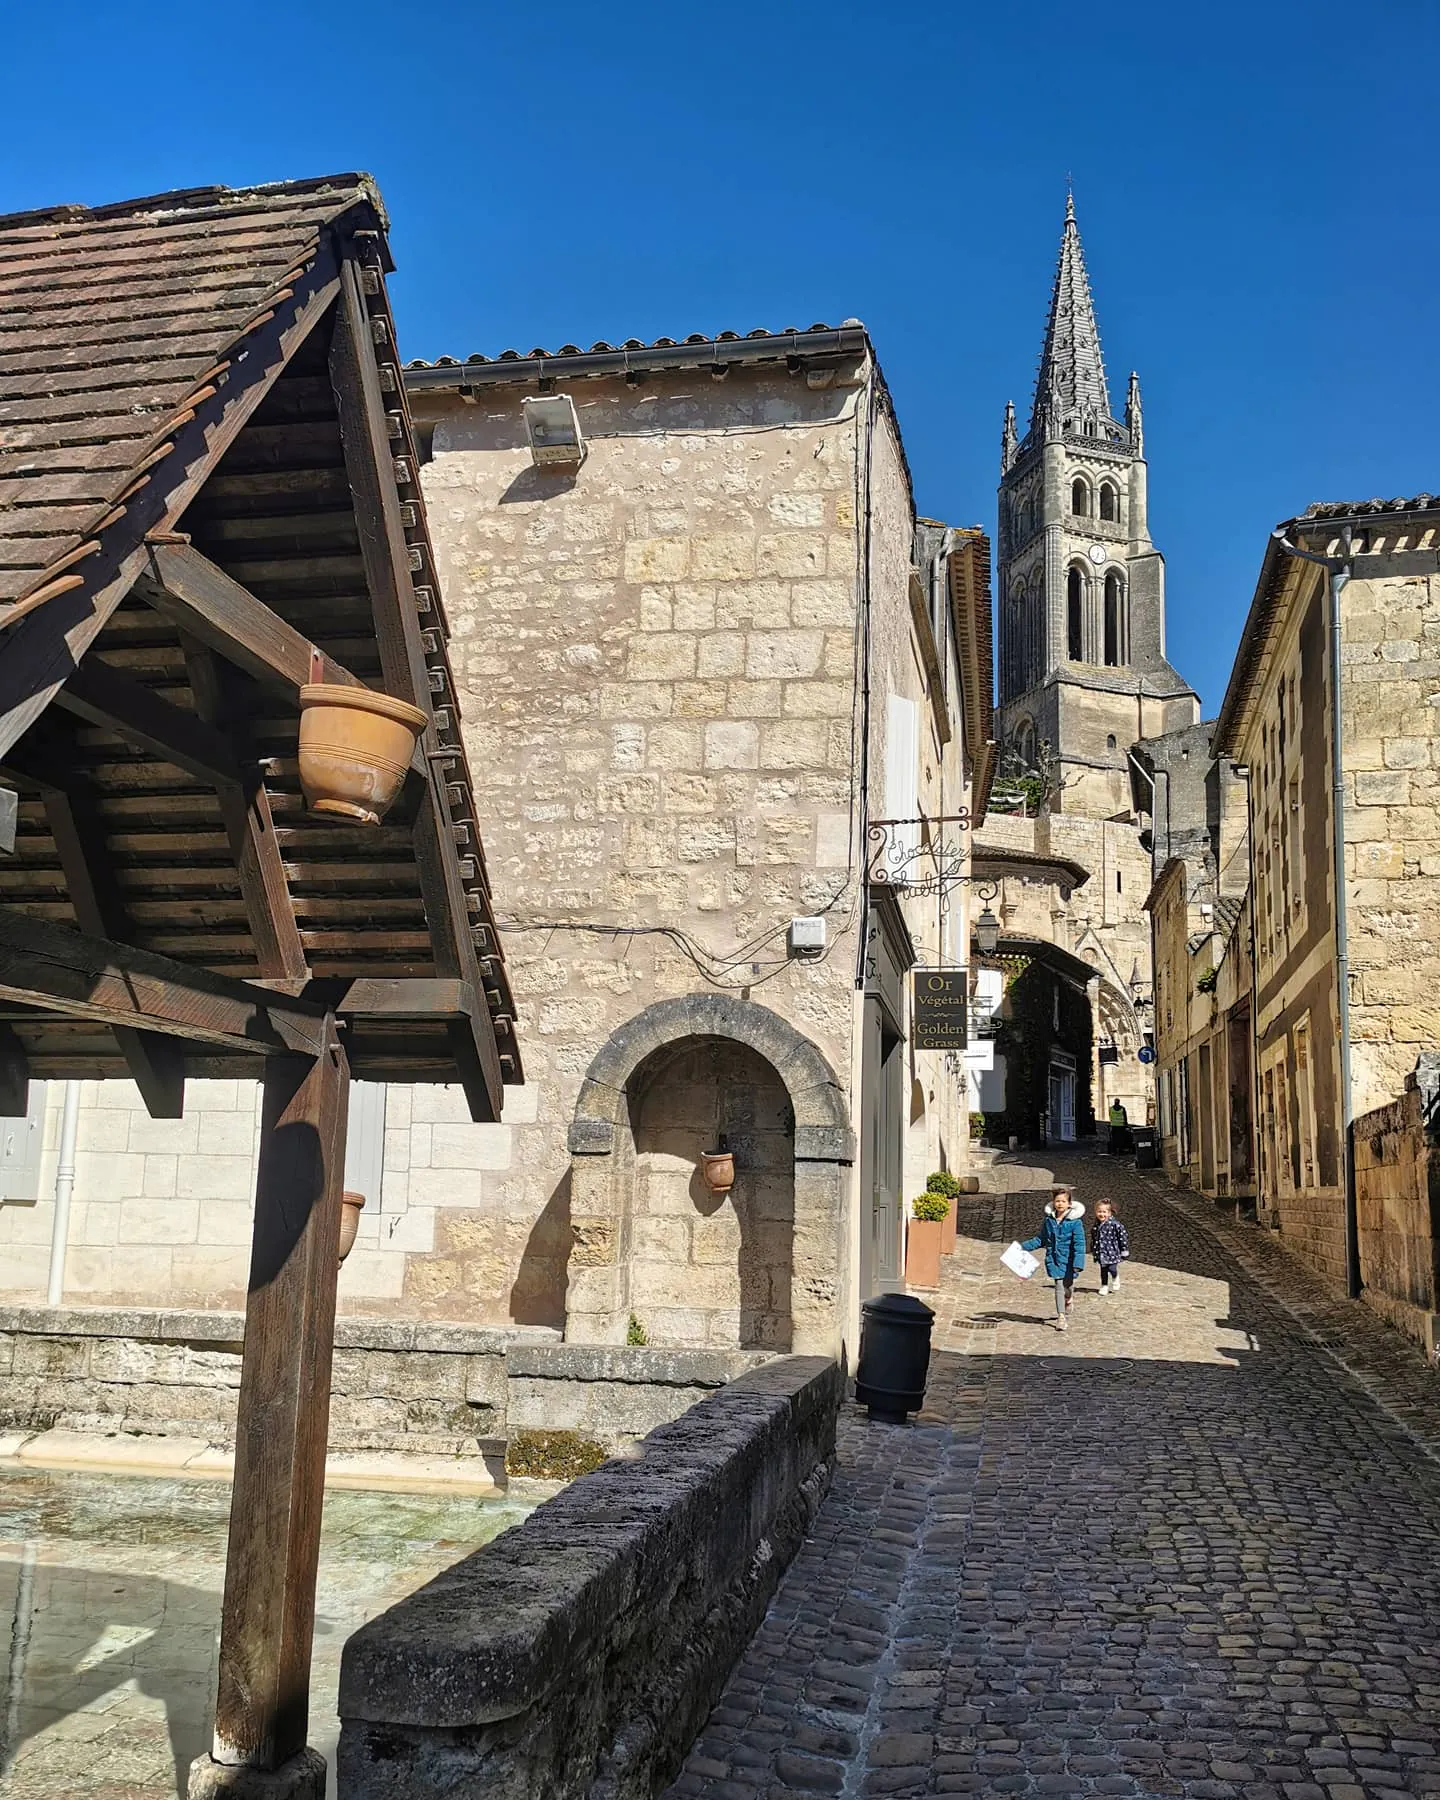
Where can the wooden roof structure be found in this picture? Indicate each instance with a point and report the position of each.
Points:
(209, 497)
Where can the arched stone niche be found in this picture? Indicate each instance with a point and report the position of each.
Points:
(644, 1099)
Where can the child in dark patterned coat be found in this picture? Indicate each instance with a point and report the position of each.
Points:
(1112, 1246)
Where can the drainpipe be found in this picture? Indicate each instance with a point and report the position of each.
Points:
(1339, 568)
(64, 1187)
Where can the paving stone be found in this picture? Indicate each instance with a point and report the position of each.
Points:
(1191, 1547)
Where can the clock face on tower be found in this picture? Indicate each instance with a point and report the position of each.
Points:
(1097, 553)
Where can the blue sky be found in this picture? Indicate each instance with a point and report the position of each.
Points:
(1255, 186)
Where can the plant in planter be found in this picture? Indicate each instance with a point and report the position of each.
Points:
(923, 1240)
(947, 1187)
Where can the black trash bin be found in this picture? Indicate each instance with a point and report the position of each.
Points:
(1147, 1155)
(894, 1356)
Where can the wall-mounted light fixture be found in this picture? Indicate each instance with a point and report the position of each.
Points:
(553, 427)
(987, 926)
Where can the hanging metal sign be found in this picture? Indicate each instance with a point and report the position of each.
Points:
(939, 1005)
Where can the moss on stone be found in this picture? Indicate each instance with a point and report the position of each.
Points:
(552, 1455)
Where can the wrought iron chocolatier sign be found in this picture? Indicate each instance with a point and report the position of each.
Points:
(924, 856)
(939, 1006)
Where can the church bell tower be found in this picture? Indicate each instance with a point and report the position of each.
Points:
(1081, 587)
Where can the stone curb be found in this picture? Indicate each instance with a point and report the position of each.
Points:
(1337, 1327)
(195, 1460)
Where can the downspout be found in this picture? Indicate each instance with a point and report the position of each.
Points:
(1339, 570)
(64, 1187)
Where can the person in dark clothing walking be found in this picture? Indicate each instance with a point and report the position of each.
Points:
(1111, 1246)
(1062, 1238)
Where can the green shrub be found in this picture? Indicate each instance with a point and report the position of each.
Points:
(552, 1455)
(931, 1207)
(977, 1127)
(635, 1332)
(943, 1183)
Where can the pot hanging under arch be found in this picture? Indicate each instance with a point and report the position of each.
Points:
(355, 748)
(718, 1168)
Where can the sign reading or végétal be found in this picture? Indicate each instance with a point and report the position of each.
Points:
(940, 1003)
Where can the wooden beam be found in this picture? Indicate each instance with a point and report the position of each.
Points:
(14, 1076)
(9, 820)
(156, 1064)
(368, 464)
(268, 1614)
(43, 650)
(103, 696)
(84, 977)
(226, 617)
(264, 885)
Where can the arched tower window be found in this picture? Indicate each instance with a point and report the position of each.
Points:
(1116, 648)
(1075, 615)
(1025, 743)
(1109, 501)
(1080, 497)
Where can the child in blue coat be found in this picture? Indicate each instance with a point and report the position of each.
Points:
(1062, 1238)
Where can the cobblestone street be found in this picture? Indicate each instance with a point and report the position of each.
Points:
(1192, 1547)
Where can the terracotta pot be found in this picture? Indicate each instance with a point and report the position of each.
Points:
(969, 1184)
(718, 1167)
(351, 1206)
(355, 746)
(922, 1252)
(947, 1230)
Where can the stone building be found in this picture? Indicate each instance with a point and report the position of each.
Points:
(737, 711)
(736, 704)
(1082, 673)
(1345, 905)
(1200, 926)
(1320, 1019)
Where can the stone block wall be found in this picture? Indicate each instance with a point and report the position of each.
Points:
(398, 1387)
(1397, 1197)
(576, 1655)
(162, 1208)
(1391, 754)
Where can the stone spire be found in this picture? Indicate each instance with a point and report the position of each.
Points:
(1009, 443)
(1072, 371)
(1134, 418)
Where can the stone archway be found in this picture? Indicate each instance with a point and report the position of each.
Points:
(604, 1172)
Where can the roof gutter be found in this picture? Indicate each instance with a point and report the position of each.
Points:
(795, 348)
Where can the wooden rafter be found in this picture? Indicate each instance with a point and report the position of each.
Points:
(360, 406)
(156, 1064)
(103, 696)
(251, 831)
(84, 977)
(227, 618)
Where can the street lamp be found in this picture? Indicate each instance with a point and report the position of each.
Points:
(987, 926)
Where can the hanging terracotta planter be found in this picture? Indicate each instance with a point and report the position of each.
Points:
(718, 1167)
(351, 1206)
(355, 746)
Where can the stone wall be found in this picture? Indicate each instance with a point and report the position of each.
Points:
(399, 1387)
(581, 1652)
(1397, 1199)
(1391, 754)
(162, 1208)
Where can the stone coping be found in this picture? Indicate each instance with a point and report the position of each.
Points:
(642, 1365)
(176, 1325)
(601, 1629)
(194, 1459)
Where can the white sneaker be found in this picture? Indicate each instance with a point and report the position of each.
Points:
(1104, 1293)
(1062, 1324)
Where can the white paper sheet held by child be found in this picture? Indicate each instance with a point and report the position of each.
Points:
(1020, 1261)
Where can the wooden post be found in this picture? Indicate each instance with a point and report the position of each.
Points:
(268, 1618)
